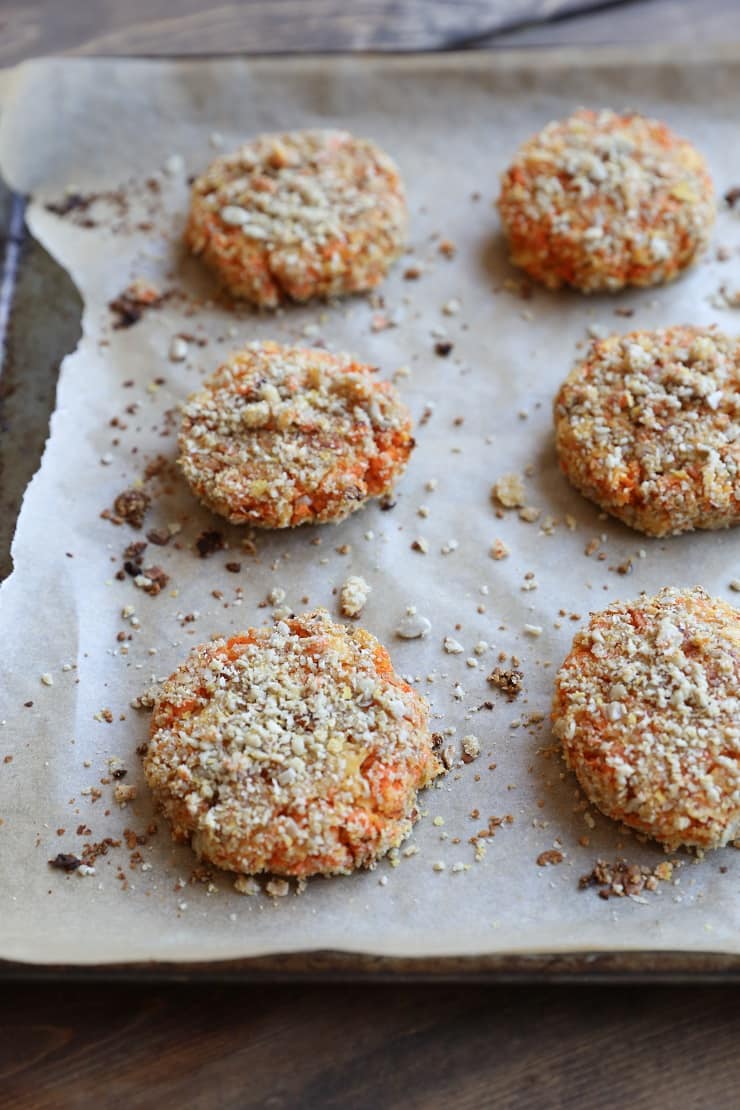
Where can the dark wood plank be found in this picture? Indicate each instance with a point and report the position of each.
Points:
(37, 27)
(255, 26)
(683, 22)
(360, 1046)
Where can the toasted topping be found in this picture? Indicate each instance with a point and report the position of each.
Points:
(647, 707)
(648, 427)
(298, 215)
(281, 436)
(293, 749)
(602, 200)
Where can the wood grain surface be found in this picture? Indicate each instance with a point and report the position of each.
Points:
(356, 1047)
(258, 26)
(66, 1045)
(29, 28)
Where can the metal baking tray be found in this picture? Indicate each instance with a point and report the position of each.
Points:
(40, 322)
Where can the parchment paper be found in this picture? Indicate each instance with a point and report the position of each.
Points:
(452, 123)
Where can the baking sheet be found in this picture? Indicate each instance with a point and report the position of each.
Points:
(452, 124)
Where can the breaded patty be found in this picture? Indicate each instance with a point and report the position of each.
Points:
(647, 708)
(299, 215)
(281, 436)
(601, 200)
(293, 749)
(648, 427)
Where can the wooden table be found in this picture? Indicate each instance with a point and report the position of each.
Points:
(354, 1045)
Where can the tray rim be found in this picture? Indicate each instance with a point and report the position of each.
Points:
(322, 966)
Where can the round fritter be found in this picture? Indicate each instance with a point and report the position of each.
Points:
(299, 215)
(293, 749)
(600, 200)
(281, 436)
(648, 427)
(647, 708)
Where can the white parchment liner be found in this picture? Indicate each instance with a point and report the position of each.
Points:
(451, 123)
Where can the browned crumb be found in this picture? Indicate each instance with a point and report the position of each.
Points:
(72, 202)
(65, 861)
(470, 748)
(133, 556)
(159, 536)
(510, 681)
(129, 507)
(129, 306)
(209, 542)
(152, 580)
(621, 879)
(550, 858)
(92, 852)
(200, 874)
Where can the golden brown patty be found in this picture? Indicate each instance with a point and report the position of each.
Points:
(600, 200)
(293, 749)
(647, 707)
(280, 436)
(648, 427)
(299, 215)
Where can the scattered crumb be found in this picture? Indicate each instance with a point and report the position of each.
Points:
(620, 879)
(124, 793)
(209, 542)
(471, 748)
(413, 627)
(353, 596)
(510, 681)
(508, 490)
(550, 858)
